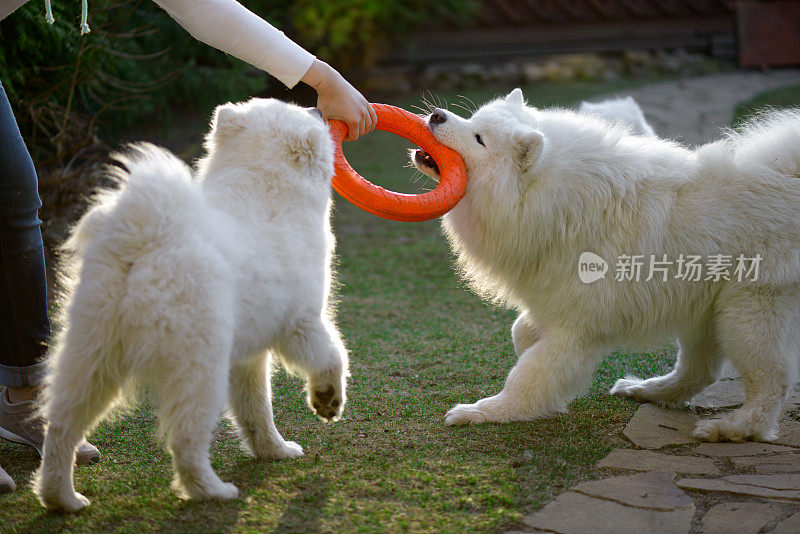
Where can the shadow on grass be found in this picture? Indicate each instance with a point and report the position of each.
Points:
(304, 512)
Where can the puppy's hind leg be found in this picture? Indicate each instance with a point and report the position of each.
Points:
(192, 394)
(698, 365)
(251, 400)
(547, 376)
(759, 332)
(79, 392)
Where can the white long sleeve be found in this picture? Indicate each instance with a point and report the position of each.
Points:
(229, 26)
(9, 6)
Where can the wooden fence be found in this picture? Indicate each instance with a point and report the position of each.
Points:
(508, 29)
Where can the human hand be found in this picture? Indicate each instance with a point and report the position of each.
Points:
(339, 100)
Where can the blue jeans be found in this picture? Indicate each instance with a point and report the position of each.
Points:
(24, 325)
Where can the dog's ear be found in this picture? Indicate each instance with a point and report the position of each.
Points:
(515, 97)
(304, 150)
(528, 145)
(226, 120)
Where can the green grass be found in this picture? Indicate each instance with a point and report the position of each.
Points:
(419, 343)
(782, 97)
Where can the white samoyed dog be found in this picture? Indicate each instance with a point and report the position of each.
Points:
(625, 110)
(546, 186)
(190, 285)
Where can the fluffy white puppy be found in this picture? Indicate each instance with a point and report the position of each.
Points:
(190, 285)
(625, 110)
(545, 186)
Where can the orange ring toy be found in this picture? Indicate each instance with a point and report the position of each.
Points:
(400, 206)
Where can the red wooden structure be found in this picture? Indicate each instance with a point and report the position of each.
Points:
(769, 33)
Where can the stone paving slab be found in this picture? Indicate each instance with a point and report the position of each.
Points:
(728, 371)
(747, 448)
(729, 393)
(785, 487)
(778, 463)
(739, 517)
(789, 433)
(720, 395)
(654, 491)
(790, 525)
(646, 460)
(574, 513)
(653, 427)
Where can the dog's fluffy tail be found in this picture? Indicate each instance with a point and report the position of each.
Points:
(769, 142)
(157, 197)
(156, 189)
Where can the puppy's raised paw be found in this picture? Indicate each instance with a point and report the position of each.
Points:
(326, 399)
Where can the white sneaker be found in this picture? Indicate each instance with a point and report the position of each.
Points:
(20, 423)
(6, 482)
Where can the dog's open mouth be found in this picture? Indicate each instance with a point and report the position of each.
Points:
(426, 163)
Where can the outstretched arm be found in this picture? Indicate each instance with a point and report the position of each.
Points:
(229, 26)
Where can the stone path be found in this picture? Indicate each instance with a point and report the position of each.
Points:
(668, 482)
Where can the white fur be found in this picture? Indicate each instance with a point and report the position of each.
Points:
(551, 184)
(190, 285)
(624, 110)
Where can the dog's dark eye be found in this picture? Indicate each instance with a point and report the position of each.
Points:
(479, 139)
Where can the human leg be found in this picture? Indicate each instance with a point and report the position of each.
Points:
(24, 324)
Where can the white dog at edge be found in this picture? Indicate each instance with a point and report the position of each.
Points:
(545, 186)
(190, 285)
(625, 110)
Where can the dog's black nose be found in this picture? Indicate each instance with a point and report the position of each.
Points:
(438, 116)
(315, 111)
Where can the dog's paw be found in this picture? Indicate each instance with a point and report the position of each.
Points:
(629, 388)
(203, 487)
(287, 449)
(326, 403)
(464, 414)
(726, 429)
(227, 492)
(223, 491)
(711, 430)
(69, 504)
(636, 389)
(500, 408)
(326, 398)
